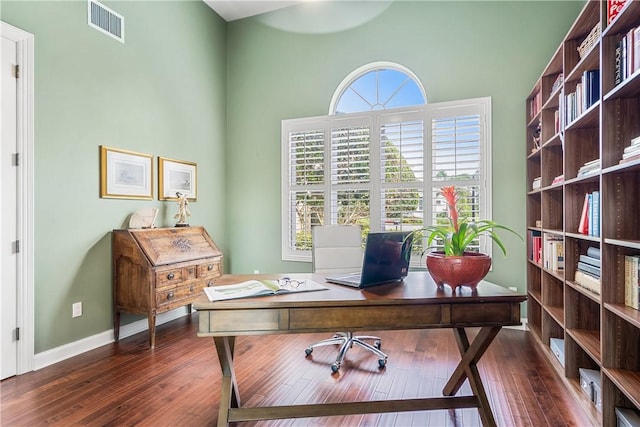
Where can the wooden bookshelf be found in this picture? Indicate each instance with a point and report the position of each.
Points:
(599, 330)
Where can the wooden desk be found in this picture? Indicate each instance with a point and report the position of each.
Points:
(415, 304)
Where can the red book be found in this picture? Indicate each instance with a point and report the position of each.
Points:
(583, 226)
(613, 8)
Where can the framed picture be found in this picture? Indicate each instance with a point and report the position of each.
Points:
(176, 176)
(125, 174)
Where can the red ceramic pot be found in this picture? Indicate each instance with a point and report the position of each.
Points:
(465, 270)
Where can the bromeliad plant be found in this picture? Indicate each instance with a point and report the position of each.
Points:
(459, 233)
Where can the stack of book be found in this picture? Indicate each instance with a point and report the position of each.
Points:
(558, 179)
(632, 152)
(537, 183)
(553, 252)
(589, 167)
(631, 281)
(589, 224)
(588, 272)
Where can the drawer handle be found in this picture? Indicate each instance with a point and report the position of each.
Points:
(170, 295)
(191, 288)
(210, 283)
(170, 276)
(210, 267)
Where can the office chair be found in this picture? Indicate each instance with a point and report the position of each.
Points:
(338, 249)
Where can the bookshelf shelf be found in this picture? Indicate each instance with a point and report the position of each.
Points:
(589, 341)
(557, 313)
(626, 313)
(626, 381)
(583, 143)
(584, 291)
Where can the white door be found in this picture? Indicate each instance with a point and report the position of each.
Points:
(16, 201)
(8, 209)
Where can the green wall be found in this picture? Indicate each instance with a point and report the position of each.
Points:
(457, 49)
(189, 86)
(163, 92)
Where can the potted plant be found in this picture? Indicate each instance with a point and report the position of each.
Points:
(454, 265)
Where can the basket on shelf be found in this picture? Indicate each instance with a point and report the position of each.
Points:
(589, 41)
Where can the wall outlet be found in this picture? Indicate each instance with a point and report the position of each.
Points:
(256, 271)
(76, 309)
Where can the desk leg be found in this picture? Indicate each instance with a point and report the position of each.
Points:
(467, 368)
(229, 396)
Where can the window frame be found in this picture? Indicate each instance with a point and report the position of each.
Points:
(375, 119)
(365, 69)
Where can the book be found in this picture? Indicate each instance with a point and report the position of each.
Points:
(593, 252)
(553, 252)
(617, 76)
(583, 225)
(535, 245)
(590, 260)
(636, 49)
(594, 230)
(257, 288)
(590, 214)
(613, 8)
(587, 281)
(631, 281)
(593, 270)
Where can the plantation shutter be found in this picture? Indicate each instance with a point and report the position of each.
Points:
(456, 153)
(350, 173)
(402, 172)
(306, 177)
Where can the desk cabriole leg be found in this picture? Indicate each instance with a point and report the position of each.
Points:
(229, 397)
(467, 368)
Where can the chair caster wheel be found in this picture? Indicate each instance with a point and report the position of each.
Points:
(335, 367)
(382, 363)
(377, 344)
(308, 351)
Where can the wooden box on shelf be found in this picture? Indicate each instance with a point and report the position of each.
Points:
(157, 270)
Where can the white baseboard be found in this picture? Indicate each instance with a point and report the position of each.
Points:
(523, 327)
(58, 354)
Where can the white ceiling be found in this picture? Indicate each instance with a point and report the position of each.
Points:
(230, 10)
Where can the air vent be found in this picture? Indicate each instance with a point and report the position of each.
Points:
(105, 20)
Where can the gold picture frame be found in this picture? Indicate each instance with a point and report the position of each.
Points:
(177, 176)
(125, 174)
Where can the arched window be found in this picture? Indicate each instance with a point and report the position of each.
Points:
(377, 86)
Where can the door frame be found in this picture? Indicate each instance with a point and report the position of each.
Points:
(25, 294)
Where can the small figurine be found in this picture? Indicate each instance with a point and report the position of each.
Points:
(183, 210)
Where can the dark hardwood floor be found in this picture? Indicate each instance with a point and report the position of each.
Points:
(177, 384)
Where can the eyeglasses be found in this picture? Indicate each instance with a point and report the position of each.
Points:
(287, 282)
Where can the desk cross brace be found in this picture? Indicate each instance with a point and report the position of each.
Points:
(230, 410)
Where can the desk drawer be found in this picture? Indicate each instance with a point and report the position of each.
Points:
(171, 295)
(168, 277)
(209, 269)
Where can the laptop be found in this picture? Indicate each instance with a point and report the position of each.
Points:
(386, 259)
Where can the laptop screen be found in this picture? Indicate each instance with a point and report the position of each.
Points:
(386, 257)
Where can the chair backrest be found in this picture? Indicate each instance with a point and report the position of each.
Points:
(337, 248)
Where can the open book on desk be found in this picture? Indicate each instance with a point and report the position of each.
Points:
(259, 288)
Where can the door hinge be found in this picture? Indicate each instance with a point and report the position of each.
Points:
(17, 334)
(17, 70)
(16, 159)
(16, 247)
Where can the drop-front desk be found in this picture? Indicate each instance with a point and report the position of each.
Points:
(415, 303)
